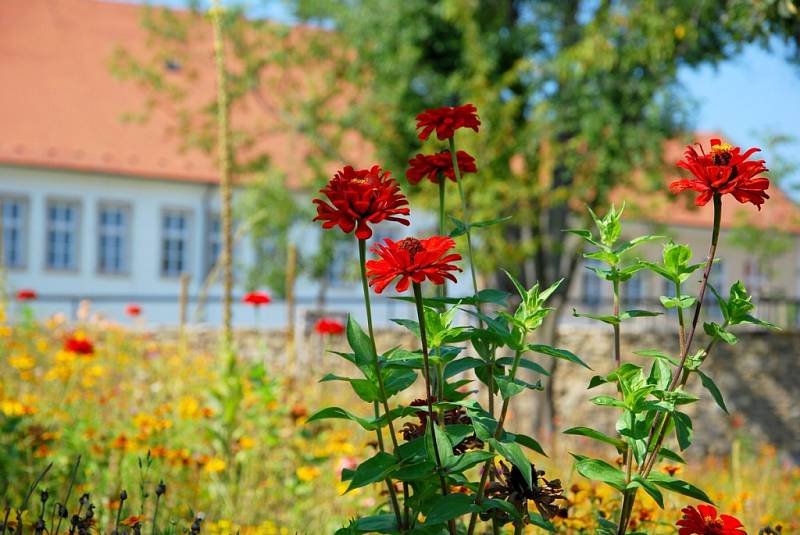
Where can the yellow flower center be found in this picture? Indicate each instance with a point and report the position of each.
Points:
(722, 147)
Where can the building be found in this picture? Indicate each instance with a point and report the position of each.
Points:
(111, 211)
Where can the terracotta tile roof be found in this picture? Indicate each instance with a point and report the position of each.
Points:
(61, 107)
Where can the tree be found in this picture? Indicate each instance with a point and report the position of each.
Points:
(575, 96)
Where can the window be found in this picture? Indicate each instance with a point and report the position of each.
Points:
(174, 242)
(633, 290)
(592, 289)
(113, 226)
(61, 240)
(13, 212)
(214, 239)
(755, 279)
(341, 263)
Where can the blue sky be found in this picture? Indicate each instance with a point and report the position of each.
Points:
(756, 94)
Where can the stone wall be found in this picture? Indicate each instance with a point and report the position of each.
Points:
(759, 378)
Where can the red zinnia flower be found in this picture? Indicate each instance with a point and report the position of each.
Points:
(433, 166)
(26, 295)
(359, 197)
(78, 345)
(723, 170)
(704, 521)
(412, 260)
(256, 299)
(133, 310)
(329, 326)
(446, 120)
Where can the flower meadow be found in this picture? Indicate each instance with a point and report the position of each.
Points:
(112, 430)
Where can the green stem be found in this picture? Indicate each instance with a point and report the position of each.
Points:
(465, 214)
(362, 256)
(617, 349)
(679, 376)
(428, 394)
(487, 467)
(442, 231)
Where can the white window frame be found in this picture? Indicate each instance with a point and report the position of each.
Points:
(62, 227)
(124, 235)
(22, 229)
(173, 234)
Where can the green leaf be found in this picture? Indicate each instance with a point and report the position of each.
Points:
(636, 241)
(461, 365)
(342, 414)
(558, 353)
(598, 470)
(446, 508)
(649, 488)
(676, 485)
(514, 454)
(607, 401)
(377, 524)
(443, 445)
(411, 325)
(656, 354)
(376, 468)
(512, 511)
(684, 301)
(683, 429)
(541, 522)
(611, 320)
(523, 363)
(360, 344)
(415, 471)
(509, 388)
(530, 443)
(628, 314)
(596, 435)
(713, 389)
(468, 460)
(717, 331)
(671, 455)
(585, 235)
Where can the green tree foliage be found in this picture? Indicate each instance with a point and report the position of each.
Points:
(574, 95)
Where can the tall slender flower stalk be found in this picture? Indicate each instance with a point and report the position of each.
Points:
(662, 424)
(362, 257)
(225, 161)
(429, 397)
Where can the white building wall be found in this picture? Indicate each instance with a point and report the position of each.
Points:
(60, 292)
